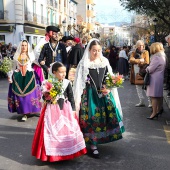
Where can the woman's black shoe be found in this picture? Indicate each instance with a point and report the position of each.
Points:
(95, 153)
(151, 118)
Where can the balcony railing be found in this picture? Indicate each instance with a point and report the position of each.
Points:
(3, 15)
(50, 2)
(38, 19)
(51, 23)
(34, 18)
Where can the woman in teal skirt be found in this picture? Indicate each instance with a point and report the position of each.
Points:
(98, 108)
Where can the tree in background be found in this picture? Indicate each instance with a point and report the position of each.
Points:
(152, 8)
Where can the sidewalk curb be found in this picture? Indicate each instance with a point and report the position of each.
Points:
(166, 99)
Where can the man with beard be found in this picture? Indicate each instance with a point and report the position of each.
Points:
(52, 51)
(68, 42)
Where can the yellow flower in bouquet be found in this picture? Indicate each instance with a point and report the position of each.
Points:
(51, 89)
(114, 80)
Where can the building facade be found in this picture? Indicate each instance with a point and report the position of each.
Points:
(27, 19)
(86, 9)
(117, 35)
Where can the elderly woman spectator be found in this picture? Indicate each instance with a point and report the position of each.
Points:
(156, 70)
(139, 59)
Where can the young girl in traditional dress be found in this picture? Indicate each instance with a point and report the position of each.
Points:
(58, 136)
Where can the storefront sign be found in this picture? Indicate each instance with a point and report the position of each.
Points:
(31, 30)
(6, 28)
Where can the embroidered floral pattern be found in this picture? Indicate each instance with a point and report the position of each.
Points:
(88, 80)
(35, 102)
(15, 102)
(102, 125)
(11, 102)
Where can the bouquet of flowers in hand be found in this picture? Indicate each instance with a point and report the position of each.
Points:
(114, 81)
(6, 65)
(51, 90)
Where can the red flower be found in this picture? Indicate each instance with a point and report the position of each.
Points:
(83, 124)
(90, 130)
(95, 139)
(102, 125)
(84, 92)
(95, 124)
(47, 86)
(47, 96)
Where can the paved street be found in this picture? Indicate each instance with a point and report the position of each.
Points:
(144, 146)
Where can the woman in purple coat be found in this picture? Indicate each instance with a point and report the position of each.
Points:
(156, 70)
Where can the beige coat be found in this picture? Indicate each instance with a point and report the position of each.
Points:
(136, 79)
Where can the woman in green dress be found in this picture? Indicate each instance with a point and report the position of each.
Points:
(98, 108)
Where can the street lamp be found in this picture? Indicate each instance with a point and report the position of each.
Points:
(155, 24)
(64, 26)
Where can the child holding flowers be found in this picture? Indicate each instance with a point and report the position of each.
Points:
(57, 136)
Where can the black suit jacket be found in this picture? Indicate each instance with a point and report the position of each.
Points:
(76, 54)
(47, 55)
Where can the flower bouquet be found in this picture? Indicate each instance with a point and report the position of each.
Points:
(51, 90)
(114, 81)
(6, 65)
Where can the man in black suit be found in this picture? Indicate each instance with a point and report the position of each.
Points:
(76, 53)
(52, 51)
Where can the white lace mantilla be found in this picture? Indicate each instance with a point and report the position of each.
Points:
(15, 62)
(93, 65)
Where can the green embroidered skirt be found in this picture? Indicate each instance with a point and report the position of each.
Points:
(100, 120)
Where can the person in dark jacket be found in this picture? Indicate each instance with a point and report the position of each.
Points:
(76, 53)
(74, 58)
(167, 71)
(52, 51)
(113, 58)
(68, 42)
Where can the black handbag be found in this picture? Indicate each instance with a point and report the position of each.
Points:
(142, 70)
(147, 79)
